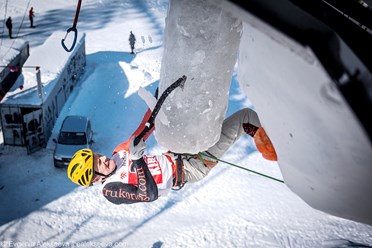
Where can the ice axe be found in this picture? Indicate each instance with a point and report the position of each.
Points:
(150, 122)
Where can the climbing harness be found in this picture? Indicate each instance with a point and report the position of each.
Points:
(73, 29)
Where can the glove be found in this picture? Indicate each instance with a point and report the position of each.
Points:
(137, 151)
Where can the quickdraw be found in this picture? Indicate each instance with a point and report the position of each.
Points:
(72, 29)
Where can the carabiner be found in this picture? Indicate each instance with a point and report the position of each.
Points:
(73, 28)
(73, 43)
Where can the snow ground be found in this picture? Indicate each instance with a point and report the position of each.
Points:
(230, 208)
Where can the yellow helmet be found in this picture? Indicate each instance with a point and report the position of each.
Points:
(80, 168)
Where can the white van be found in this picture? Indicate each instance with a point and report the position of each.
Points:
(75, 134)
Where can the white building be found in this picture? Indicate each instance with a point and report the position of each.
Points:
(31, 107)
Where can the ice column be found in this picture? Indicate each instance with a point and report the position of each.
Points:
(201, 41)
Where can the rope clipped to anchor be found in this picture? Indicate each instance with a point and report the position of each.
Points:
(240, 167)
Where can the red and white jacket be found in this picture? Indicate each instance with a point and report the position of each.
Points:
(160, 167)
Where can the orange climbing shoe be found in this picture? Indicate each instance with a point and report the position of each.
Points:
(264, 145)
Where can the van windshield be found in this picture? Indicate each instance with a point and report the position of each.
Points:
(72, 138)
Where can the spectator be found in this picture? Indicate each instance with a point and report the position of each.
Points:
(9, 25)
(31, 17)
(132, 41)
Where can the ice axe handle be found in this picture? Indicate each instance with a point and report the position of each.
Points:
(73, 29)
(179, 83)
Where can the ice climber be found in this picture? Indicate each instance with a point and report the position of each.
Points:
(130, 176)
